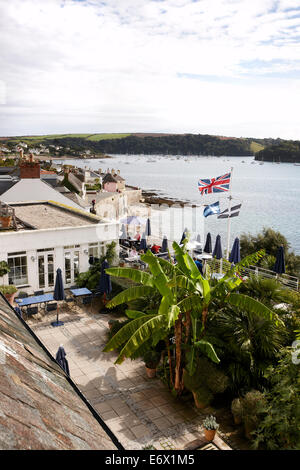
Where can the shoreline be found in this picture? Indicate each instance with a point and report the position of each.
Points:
(152, 197)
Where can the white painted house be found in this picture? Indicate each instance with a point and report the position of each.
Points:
(52, 235)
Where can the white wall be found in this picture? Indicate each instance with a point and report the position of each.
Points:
(33, 240)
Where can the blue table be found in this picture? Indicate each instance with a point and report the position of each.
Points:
(81, 291)
(35, 299)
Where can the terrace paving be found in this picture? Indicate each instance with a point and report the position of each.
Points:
(140, 411)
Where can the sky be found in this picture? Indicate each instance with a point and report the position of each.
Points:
(221, 67)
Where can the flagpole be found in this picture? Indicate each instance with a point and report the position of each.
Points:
(229, 213)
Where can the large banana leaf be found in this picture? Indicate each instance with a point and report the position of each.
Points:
(252, 306)
(191, 303)
(159, 277)
(140, 277)
(183, 282)
(131, 293)
(141, 335)
(185, 262)
(134, 313)
(126, 332)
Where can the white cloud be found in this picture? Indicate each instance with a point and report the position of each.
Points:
(120, 66)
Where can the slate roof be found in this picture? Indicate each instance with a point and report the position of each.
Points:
(34, 189)
(40, 407)
(109, 178)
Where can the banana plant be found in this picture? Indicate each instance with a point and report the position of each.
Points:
(185, 299)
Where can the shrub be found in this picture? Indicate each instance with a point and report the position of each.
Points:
(151, 358)
(279, 428)
(8, 289)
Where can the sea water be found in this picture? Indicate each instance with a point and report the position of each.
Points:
(269, 193)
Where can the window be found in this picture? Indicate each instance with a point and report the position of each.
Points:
(97, 249)
(17, 263)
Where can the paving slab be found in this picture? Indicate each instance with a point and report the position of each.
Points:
(140, 411)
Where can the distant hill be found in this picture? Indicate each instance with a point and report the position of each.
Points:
(280, 152)
(150, 143)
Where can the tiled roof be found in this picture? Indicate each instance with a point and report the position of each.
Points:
(40, 407)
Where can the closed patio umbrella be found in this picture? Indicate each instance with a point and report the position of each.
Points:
(61, 359)
(104, 286)
(279, 266)
(235, 255)
(123, 235)
(59, 294)
(148, 228)
(164, 245)
(143, 244)
(208, 245)
(217, 253)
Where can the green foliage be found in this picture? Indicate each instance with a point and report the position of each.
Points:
(203, 396)
(69, 185)
(270, 241)
(151, 358)
(8, 289)
(206, 375)
(91, 277)
(237, 407)
(282, 151)
(4, 268)
(280, 428)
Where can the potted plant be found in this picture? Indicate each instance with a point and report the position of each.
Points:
(210, 427)
(151, 359)
(111, 323)
(8, 291)
(237, 410)
(252, 408)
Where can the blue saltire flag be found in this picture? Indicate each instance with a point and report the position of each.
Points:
(212, 209)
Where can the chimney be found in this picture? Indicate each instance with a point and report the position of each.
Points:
(30, 168)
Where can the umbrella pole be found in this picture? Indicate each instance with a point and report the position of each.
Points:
(57, 313)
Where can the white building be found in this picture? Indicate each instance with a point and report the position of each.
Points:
(51, 235)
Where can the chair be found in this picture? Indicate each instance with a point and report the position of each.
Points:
(22, 295)
(87, 300)
(32, 311)
(69, 299)
(51, 307)
(38, 292)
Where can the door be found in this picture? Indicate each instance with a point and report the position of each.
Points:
(71, 255)
(46, 269)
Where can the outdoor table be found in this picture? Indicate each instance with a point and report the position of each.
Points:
(217, 275)
(132, 258)
(35, 299)
(81, 291)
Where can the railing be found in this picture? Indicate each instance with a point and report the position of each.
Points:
(291, 282)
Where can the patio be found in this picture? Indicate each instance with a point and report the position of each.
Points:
(140, 411)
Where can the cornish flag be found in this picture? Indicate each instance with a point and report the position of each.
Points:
(212, 209)
(234, 212)
(214, 185)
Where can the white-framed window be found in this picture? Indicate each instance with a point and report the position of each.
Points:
(18, 274)
(97, 249)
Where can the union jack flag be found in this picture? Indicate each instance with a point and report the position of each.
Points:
(214, 185)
